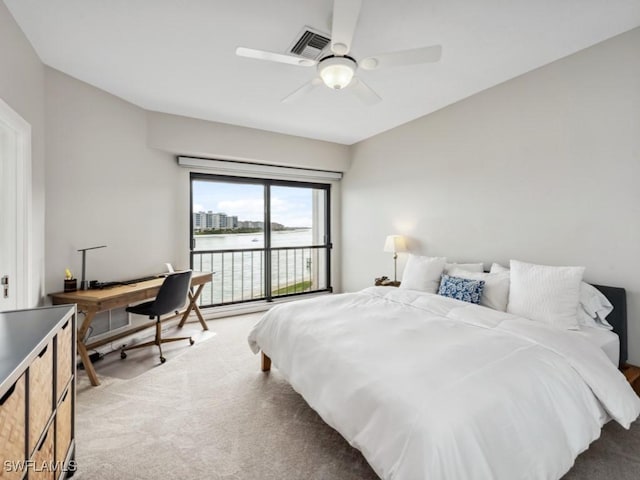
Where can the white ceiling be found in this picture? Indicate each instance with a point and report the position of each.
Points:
(177, 56)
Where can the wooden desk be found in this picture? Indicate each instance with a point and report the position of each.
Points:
(91, 302)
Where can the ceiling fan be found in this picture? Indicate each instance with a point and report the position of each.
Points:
(337, 70)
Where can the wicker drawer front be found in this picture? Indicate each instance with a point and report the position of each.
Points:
(64, 426)
(12, 430)
(43, 464)
(64, 357)
(40, 394)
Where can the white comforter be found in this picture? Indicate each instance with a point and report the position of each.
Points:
(428, 387)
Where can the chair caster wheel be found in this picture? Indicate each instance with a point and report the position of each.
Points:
(123, 355)
(191, 341)
(162, 359)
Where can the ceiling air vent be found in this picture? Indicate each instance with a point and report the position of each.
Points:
(310, 44)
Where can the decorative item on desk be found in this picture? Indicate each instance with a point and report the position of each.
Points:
(70, 283)
(395, 244)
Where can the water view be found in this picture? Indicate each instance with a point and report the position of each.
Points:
(228, 219)
(238, 263)
(285, 238)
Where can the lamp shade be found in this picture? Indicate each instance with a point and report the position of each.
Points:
(337, 72)
(395, 243)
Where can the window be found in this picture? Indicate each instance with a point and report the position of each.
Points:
(262, 238)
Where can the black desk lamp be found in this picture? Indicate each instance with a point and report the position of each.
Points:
(84, 284)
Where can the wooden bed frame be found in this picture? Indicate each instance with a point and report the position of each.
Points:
(617, 318)
(265, 362)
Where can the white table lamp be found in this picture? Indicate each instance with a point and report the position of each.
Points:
(395, 244)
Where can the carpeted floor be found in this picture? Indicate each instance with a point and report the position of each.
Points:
(209, 413)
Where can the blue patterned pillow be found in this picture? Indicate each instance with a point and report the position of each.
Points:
(461, 288)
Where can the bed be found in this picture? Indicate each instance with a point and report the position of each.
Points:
(431, 387)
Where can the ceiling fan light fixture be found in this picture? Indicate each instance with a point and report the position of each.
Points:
(337, 72)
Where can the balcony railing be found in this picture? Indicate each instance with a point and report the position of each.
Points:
(243, 275)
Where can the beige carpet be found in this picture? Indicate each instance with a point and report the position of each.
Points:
(141, 360)
(209, 413)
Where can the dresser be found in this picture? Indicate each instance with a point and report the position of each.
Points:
(37, 393)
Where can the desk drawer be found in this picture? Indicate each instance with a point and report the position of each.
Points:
(64, 357)
(12, 429)
(64, 427)
(40, 394)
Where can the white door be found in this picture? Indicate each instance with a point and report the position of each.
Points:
(8, 243)
(15, 192)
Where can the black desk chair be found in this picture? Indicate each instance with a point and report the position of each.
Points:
(171, 297)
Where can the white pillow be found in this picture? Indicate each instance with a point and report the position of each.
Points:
(496, 287)
(594, 307)
(545, 294)
(423, 273)
(586, 320)
(469, 267)
(497, 268)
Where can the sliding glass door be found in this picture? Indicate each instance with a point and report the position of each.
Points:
(262, 238)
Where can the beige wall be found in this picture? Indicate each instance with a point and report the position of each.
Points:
(193, 137)
(543, 168)
(22, 88)
(113, 178)
(106, 187)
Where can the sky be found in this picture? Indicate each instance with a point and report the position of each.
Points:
(290, 206)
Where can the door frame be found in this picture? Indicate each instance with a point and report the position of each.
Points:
(22, 130)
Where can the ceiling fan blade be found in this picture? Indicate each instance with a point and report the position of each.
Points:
(303, 90)
(274, 57)
(345, 17)
(403, 57)
(364, 92)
